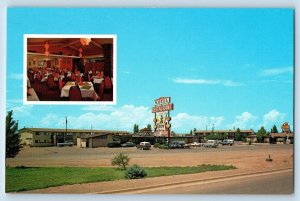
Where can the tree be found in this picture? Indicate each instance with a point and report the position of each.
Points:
(261, 134)
(214, 136)
(12, 136)
(135, 128)
(149, 127)
(238, 135)
(120, 160)
(191, 132)
(173, 133)
(274, 129)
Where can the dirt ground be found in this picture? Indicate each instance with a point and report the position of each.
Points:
(244, 157)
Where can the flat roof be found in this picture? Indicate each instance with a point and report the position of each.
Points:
(281, 135)
(58, 130)
(223, 131)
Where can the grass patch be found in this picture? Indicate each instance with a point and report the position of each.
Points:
(29, 178)
(167, 171)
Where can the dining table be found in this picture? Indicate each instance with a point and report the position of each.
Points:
(86, 88)
(31, 95)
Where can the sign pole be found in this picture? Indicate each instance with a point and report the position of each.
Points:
(168, 130)
(162, 118)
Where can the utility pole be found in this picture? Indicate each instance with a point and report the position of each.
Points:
(66, 129)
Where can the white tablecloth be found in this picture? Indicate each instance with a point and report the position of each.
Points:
(98, 80)
(60, 76)
(33, 96)
(28, 82)
(85, 93)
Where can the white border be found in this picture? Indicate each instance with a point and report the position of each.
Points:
(26, 102)
(144, 3)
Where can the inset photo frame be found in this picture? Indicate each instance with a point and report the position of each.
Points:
(71, 69)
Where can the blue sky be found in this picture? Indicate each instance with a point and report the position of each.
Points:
(227, 67)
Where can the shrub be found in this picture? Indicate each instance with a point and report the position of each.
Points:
(156, 145)
(120, 160)
(164, 146)
(135, 172)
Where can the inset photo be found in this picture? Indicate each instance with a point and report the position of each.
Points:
(62, 69)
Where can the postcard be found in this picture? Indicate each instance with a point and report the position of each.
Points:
(150, 101)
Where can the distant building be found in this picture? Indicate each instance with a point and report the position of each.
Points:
(44, 137)
(282, 138)
(228, 134)
(97, 140)
(285, 137)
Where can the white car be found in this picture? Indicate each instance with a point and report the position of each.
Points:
(211, 143)
(144, 146)
(195, 144)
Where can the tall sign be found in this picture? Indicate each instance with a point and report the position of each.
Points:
(161, 110)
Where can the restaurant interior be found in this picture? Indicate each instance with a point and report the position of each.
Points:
(70, 69)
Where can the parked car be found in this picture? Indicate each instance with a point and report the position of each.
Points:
(114, 144)
(178, 144)
(144, 146)
(128, 144)
(227, 142)
(211, 143)
(195, 144)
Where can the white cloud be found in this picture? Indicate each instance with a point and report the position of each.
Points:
(99, 108)
(242, 121)
(23, 110)
(227, 83)
(183, 122)
(230, 83)
(271, 117)
(119, 119)
(48, 120)
(277, 71)
(125, 117)
(195, 81)
(16, 76)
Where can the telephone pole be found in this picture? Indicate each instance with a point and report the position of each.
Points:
(66, 129)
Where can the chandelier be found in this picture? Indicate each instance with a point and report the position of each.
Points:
(80, 52)
(46, 48)
(85, 41)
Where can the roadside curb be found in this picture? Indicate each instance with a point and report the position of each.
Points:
(185, 182)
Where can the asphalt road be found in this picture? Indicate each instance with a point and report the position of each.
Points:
(273, 183)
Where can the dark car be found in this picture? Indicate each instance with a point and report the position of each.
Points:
(114, 144)
(128, 144)
(178, 144)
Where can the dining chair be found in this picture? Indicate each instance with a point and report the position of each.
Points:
(75, 94)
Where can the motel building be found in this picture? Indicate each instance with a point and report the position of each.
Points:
(45, 137)
(70, 69)
(226, 134)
